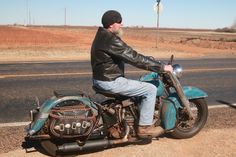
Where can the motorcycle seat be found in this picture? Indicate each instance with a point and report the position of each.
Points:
(109, 94)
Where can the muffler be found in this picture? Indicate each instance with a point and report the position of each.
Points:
(89, 145)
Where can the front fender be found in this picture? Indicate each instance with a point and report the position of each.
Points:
(44, 111)
(193, 92)
(172, 103)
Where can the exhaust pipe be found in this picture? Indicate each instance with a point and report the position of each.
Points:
(89, 145)
(93, 144)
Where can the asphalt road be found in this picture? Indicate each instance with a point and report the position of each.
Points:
(20, 83)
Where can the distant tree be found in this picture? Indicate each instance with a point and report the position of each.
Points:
(231, 29)
(234, 25)
(226, 29)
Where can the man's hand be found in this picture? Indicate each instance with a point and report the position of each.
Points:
(168, 68)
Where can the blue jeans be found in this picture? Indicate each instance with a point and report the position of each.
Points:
(129, 87)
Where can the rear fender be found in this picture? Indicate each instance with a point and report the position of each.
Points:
(44, 111)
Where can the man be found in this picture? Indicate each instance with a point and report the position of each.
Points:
(108, 55)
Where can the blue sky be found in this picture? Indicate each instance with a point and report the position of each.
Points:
(176, 13)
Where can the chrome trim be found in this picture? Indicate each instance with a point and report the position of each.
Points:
(43, 115)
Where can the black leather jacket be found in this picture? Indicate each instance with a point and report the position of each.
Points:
(109, 53)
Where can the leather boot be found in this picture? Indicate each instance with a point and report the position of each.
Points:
(150, 131)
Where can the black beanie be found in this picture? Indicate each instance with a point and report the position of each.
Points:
(110, 17)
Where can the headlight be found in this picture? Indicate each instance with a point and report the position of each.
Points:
(177, 70)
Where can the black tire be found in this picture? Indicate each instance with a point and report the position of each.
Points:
(188, 128)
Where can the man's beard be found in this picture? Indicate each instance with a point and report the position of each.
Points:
(119, 32)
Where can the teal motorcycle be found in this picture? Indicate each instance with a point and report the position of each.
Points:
(73, 122)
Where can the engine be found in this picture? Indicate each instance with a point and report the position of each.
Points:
(71, 121)
(117, 121)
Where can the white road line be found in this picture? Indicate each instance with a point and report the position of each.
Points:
(220, 106)
(15, 124)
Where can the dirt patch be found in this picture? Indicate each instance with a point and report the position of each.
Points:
(73, 43)
(11, 138)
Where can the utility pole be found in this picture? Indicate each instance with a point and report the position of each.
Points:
(27, 10)
(158, 13)
(33, 23)
(29, 18)
(65, 17)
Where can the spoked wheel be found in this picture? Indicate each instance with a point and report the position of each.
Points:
(188, 128)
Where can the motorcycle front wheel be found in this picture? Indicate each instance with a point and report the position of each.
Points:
(188, 128)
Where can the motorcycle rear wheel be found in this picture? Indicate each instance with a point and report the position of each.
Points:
(188, 128)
